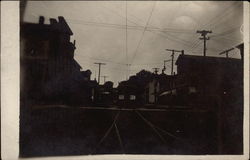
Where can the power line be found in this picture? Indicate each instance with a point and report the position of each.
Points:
(137, 25)
(228, 38)
(230, 31)
(99, 59)
(127, 40)
(218, 17)
(158, 28)
(140, 27)
(136, 50)
(226, 52)
(226, 15)
(196, 45)
(124, 64)
(174, 39)
(225, 44)
(155, 29)
(164, 66)
(214, 19)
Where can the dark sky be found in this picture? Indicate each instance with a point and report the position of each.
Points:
(152, 26)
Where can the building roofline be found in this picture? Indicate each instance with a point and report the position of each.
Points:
(55, 26)
(207, 58)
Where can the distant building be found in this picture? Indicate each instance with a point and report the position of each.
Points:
(168, 90)
(80, 89)
(152, 89)
(104, 94)
(132, 92)
(128, 94)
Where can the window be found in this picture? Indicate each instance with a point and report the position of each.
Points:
(121, 97)
(174, 92)
(132, 97)
(192, 90)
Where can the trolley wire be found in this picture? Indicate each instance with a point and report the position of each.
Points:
(138, 45)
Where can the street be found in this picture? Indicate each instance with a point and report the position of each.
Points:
(62, 130)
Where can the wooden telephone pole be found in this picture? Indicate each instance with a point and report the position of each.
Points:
(164, 66)
(104, 78)
(155, 84)
(205, 38)
(172, 55)
(99, 73)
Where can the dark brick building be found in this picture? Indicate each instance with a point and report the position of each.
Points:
(210, 76)
(49, 72)
(215, 83)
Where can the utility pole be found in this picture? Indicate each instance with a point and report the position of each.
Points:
(155, 84)
(23, 5)
(241, 48)
(155, 70)
(99, 64)
(172, 55)
(104, 78)
(205, 38)
(226, 52)
(164, 67)
(128, 71)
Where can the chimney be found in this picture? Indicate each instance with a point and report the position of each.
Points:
(41, 20)
(61, 19)
(182, 52)
(52, 21)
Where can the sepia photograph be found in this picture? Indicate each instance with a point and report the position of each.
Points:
(131, 77)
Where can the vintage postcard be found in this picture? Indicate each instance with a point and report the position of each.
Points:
(160, 79)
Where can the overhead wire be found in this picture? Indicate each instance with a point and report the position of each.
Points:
(127, 39)
(182, 41)
(230, 31)
(179, 40)
(152, 29)
(118, 26)
(216, 19)
(148, 28)
(222, 20)
(221, 15)
(138, 45)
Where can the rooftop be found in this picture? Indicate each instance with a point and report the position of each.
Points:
(54, 26)
(206, 60)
